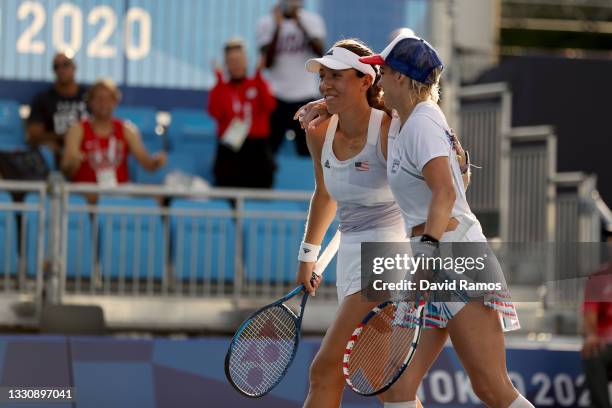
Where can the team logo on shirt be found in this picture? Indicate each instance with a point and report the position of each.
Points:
(395, 166)
(326, 165)
(362, 165)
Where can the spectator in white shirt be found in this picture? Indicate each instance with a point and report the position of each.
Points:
(287, 39)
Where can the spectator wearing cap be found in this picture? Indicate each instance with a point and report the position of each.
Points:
(54, 110)
(97, 148)
(287, 39)
(242, 106)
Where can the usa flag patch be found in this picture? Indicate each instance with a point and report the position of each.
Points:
(362, 165)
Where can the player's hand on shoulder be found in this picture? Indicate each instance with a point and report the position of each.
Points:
(312, 114)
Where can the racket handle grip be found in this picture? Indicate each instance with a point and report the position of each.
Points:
(328, 254)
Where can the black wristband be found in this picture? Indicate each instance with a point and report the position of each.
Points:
(429, 238)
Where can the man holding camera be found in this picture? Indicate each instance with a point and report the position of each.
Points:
(287, 38)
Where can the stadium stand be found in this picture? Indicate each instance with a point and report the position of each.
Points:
(190, 128)
(287, 148)
(193, 132)
(11, 126)
(294, 173)
(79, 249)
(203, 240)
(132, 238)
(272, 232)
(184, 161)
(145, 120)
(8, 236)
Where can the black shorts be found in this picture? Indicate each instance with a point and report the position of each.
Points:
(282, 120)
(253, 166)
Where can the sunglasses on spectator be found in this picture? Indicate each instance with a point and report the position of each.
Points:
(64, 64)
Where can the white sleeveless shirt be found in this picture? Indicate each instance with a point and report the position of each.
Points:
(359, 184)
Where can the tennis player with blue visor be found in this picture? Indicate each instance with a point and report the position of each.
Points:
(425, 178)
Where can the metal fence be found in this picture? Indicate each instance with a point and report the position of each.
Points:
(155, 258)
(152, 258)
(22, 249)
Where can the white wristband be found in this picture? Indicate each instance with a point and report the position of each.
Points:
(308, 252)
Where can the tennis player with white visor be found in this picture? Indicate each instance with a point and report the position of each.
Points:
(425, 179)
(349, 157)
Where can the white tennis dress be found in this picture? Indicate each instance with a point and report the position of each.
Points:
(366, 208)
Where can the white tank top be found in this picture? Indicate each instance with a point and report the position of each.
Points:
(359, 184)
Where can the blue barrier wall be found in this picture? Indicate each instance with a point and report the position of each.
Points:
(109, 372)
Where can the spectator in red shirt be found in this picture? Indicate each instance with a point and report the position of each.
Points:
(242, 106)
(597, 347)
(97, 148)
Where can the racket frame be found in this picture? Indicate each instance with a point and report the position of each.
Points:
(322, 262)
(356, 335)
(296, 338)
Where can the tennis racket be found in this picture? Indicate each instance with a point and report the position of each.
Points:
(382, 346)
(264, 346)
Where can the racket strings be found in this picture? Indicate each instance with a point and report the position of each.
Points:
(381, 349)
(263, 350)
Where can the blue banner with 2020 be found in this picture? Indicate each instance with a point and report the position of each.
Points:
(163, 43)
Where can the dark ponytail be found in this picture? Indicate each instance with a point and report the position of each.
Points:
(375, 94)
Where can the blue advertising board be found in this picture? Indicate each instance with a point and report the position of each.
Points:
(109, 372)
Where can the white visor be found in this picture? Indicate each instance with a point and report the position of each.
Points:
(340, 58)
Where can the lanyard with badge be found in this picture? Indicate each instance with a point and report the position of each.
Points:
(238, 129)
(105, 162)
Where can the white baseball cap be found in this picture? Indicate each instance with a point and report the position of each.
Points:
(340, 58)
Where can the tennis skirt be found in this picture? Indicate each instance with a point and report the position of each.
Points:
(348, 269)
(438, 314)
